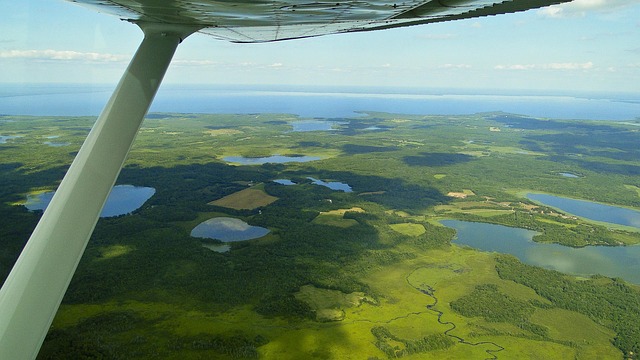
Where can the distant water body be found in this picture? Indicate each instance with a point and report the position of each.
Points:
(325, 102)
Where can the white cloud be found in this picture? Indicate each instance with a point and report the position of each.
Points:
(551, 66)
(582, 7)
(515, 67)
(193, 63)
(62, 55)
(569, 66)
(454, 66)
(552, 11)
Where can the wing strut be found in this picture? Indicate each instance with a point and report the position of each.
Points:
(34, 289)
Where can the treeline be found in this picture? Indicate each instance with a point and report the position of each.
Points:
(385, 341)
(488, 302)
(613, 304)
(89, 339)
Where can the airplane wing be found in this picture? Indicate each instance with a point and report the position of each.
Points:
(251, 21)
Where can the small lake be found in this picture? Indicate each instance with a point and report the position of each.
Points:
(56, 144)
(285, 182)
(228, 229)
(590, 210)
(5, 138)
(315, 125)
(619, 261)
(122, 200)
(333, 185)
(569, 175)
(273, 159)
(220, 248)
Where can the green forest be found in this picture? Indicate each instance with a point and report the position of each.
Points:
(368, 273)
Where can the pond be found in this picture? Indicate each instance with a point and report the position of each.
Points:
(122, 200)
(274, 159)
(590, 210)
(285, 182)
(56, 144)
(333, 185)
(569, 175)
(621, 261)
(228, 229)
(220, 248)
(315, 125)
(5, 138)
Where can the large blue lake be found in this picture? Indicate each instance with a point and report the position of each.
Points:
(122, 200)
(619, 261)
(69, 100)
(590, 210)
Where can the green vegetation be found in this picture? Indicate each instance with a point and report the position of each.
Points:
(386, 342)
(250, 198)
(607, 301)
(365, 274)
(409, 229)
(487, 301)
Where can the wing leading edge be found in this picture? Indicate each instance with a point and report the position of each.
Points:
(250, 21)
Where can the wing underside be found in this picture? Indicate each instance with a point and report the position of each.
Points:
(263, 20)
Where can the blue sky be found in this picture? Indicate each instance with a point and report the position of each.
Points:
(591, 45)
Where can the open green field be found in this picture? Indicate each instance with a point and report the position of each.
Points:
(250, 198)
(367, 274)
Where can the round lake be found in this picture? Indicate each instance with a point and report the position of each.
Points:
(618, 261)
(122, 200)
(228, 229)
(590, 210)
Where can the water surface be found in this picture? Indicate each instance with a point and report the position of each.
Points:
(618, 261)
(274, 159)
(228, 230)
(5, 138)
(333, 185)
(72, 100)
(315, 125)
(590, 210)
(285, 182)
(122, 200)
(56, 144)
(220, 248)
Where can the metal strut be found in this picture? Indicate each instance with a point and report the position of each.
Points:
(38, 281)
